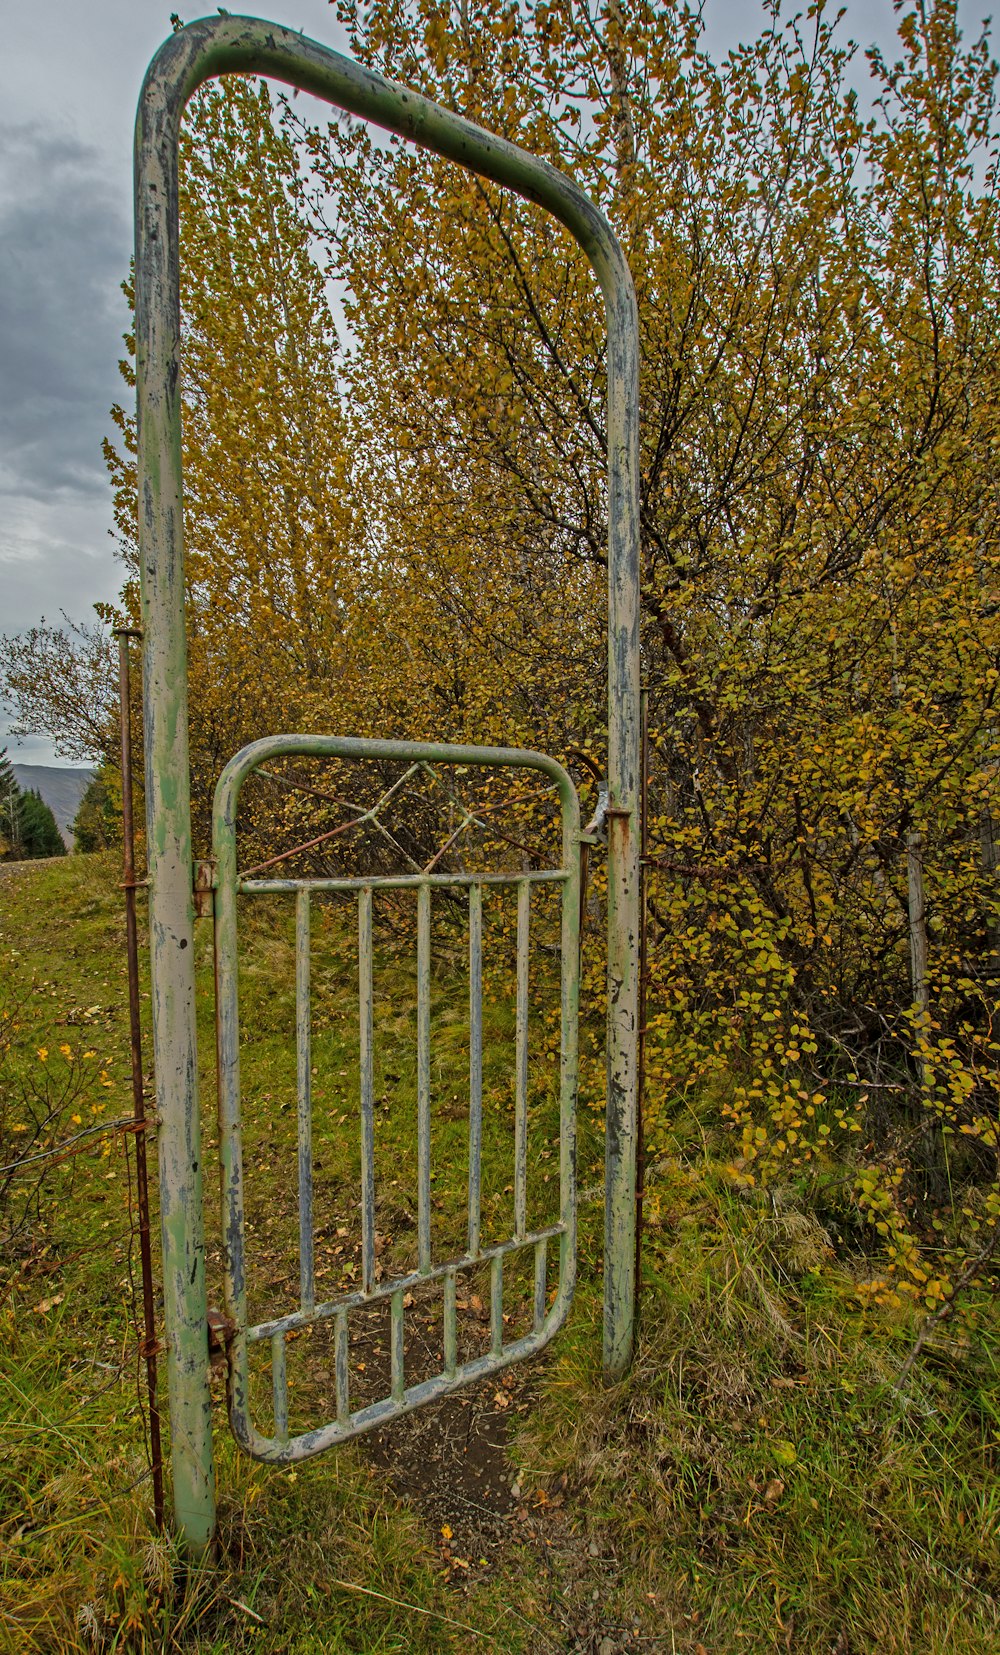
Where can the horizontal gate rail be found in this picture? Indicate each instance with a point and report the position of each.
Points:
(280, 1446)
(298, 1319)
(400, 881)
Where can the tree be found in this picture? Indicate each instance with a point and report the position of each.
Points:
(817, 303)
(98, 820)
(62, 681)
(11, 830)
(269, 524)
(41, 836)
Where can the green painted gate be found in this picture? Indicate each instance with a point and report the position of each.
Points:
(229, 44)
(402, 1396)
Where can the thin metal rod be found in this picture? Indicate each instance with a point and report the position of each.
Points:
(398, 1375)
(303, 1052)
(521, 1061)
(450, 1325)
(424, 1078)
(367, 1090)
(541, 1280)
(279, 1387)
(640, 1140)
(496, 1304)
(148, 1342)
(475, 1063)
(341, 1368)
(365, 816)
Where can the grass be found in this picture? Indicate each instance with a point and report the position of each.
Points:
(757, 1482)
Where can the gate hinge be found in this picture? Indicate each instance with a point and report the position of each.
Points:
(221, 1333)
(593, 833)
(203, 884)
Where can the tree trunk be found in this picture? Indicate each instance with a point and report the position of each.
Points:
(988, 858)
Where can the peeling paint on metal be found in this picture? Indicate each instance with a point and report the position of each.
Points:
(188, 58)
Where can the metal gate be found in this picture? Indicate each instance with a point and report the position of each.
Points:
(241, 45)
(547, 1319)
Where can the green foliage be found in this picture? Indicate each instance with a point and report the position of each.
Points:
(98, 821)
(39, 830)
(10, 810)
(759, 1471)
(28, 828)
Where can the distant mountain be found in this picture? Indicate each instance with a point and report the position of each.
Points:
(62, 791)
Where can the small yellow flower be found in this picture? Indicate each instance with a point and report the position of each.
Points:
(67, 1051)
(89, 1054)
(43, 1052)
(77, 1120)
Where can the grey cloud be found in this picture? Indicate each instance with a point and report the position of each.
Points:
(64, 247)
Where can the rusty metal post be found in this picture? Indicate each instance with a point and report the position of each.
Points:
(129, 883)
(640, 1134)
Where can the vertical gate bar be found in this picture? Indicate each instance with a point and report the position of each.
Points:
(521, 1061)
(450, 1325)
(424, 1079)
(541, 1280)
(475, 1063)
(367, 1090)
(303, 1050)
(398, 1376)
(279, 1387)
(227, 1057)
(341, 1369)
(496, 1304)
(569, 1010)
(168, 814)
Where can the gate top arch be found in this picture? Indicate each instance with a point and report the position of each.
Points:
(195, 54)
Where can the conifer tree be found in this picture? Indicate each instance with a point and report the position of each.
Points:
(11, 828)
(98, 820)
(41, 836)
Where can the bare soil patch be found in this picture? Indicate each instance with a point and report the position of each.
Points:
(452, 1462)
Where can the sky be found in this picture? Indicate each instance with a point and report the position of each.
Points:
(69, 78)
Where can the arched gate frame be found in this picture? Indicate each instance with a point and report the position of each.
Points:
(197, 53)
